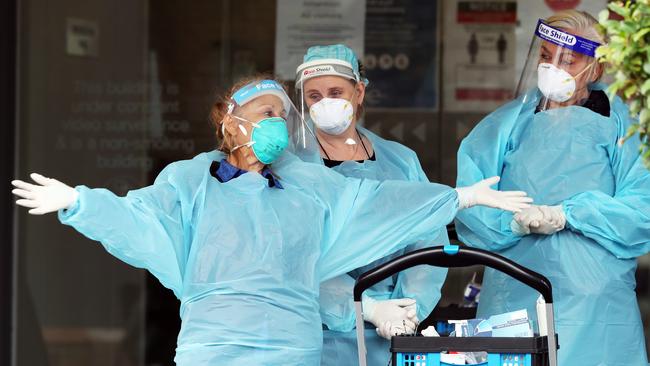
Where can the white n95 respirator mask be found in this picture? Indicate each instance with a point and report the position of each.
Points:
(332, 115)
(556, 84)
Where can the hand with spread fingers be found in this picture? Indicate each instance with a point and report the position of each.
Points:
(481, 194)
(47, 195)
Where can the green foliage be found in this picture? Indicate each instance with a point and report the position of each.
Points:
(627, 57)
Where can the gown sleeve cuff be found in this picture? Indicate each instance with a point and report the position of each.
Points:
(66, 214)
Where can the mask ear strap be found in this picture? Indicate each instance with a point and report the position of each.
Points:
(248, 144)
(586, 68)
(231, 107)
(255, 124)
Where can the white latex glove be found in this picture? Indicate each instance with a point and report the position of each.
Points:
(552, 222)
(430, 331)
(544, 220)
(388, 329)
(521, 221)
(481, 194)
(49, 195)
(394, 316)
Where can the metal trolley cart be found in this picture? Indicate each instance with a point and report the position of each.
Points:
(417, 350)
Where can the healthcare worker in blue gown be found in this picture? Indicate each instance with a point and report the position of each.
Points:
(559, 141)
(331, 86)
(244, 235)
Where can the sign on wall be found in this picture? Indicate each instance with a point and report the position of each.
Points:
(301, 24)
(480, 50)
(82, 37)
(401, 54)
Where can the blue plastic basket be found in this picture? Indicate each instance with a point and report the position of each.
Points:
(426, 351)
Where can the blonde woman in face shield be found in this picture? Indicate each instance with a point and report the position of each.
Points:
(331, 86)
(244, 234)
(559, 141)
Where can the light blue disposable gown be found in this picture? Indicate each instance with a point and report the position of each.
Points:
(393, 161)
(246, 260)
(566, 156)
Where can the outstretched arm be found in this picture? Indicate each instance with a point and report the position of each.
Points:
(143, 229)
(369, 220)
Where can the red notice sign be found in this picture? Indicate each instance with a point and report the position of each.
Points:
(487, 12)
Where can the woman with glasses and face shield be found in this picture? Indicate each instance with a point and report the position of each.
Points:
(331, 86)
(559, 141)
(244, 234)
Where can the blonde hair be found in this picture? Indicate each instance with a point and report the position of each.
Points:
(577, 21)
(582, 24)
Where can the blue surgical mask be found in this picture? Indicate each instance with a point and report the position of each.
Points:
(268, 140)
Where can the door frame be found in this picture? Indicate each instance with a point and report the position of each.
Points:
(8, 128)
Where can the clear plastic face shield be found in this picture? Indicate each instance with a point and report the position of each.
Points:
(559, 69)
(269, 121)
(325, 95)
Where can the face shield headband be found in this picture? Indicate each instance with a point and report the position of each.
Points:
(565, 39)
(258, 88)
(323, 67)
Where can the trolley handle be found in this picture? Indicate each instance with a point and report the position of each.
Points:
(453, 256)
